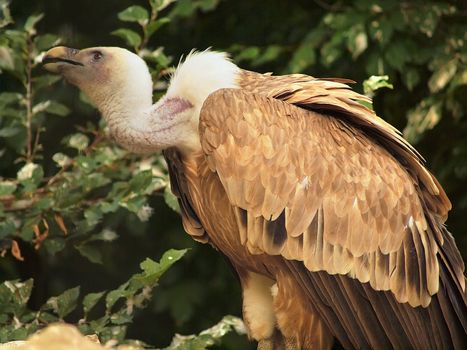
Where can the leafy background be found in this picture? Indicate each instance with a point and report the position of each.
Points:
(78, 211)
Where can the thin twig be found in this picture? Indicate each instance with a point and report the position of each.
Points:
(29, 92)
(145, 40)
(36, 142)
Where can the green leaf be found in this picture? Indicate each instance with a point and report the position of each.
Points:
(248, 54)
(7, 59)
(424, 117)
(134, 14)
(45, 80)
(411, 78)
(31, 22)
(5, 15)
(381, 31)
(7, 98)
(135, 204)
(30, 176)
(158, 57)
(114, 295)
(357, 40)
(121, 317)
(208, 5)
(159, 5)
(268, 55)
(91, 300)
(90, 252)
(331, 50)
(171, 200)
(10, 131)
(7, 228)
(93, 216)
(46, 41)
(152, 270)
(79, 141)
(398, 53)
(152, 27)
(61, 159)
(15, 292)
(54, 245)
(131, 37)
(64, 303)
(106, 235)
(7, 187)
(376, 82)
(302, 58)
(209, 337)
(442, 76)
(141, 181)
(57, 108)
(367, 104)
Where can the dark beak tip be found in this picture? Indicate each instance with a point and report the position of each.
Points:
(47, 59)
(52, 59)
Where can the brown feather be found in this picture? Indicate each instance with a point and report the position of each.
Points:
(319, 186)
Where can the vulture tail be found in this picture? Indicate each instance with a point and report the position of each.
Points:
(362, 318)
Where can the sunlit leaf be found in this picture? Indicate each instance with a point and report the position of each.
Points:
(134, 13)
(107, 235)
(16, 291)
(152, 270)
(159, 5)
(90, 300)
(27, 171)
(7, 60)
(171, 200)
(30, 24)
(92, 216)
(64, 303)
(7, 187)
(424, 117)
(114, 295)
(357, 41)
(61, 159)
(131, 37)
(209, 337)
(79, 141)
(376, 82)
(5, 15)
(442, 76)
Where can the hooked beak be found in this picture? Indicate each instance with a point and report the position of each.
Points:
(58, 57)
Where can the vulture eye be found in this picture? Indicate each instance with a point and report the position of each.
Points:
(97, 55)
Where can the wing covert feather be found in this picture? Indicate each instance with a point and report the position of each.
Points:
(313, 188)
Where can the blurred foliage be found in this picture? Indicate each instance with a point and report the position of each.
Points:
(18, 321)
(75, 209)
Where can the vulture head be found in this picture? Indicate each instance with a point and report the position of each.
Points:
(118, 82)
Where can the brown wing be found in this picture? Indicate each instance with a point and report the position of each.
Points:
(179, 186)
(316, 189)
(333, 97)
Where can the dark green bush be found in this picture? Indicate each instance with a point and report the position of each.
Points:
(77, 210)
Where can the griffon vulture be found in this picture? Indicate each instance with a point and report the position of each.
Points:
(329, 217)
